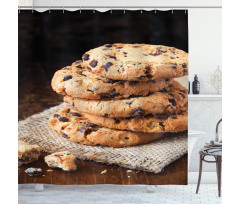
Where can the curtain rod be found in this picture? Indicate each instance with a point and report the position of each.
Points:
(117, 7)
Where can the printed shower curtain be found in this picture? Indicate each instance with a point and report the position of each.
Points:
(103, 97)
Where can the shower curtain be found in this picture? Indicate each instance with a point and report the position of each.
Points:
(103, 97)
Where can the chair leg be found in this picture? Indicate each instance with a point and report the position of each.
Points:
(219, 175)
(200, 173)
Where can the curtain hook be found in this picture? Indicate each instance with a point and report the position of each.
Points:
(63, 9)
(93, 10)
(185, 9)
(32, 10)
(155, 9)
(80, 9)
(141, 9)
(19, 9)
(124, 9)
(49, 10)
(111, 10)
(172, 9)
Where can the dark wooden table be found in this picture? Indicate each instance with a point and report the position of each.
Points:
(36, 95)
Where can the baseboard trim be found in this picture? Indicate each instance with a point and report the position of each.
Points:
(207, 177)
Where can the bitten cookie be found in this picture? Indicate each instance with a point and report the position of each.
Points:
(150, 124)
(27, 153)
(64, 160)
(171, 99)
(76, 128)
(74, 81)
(136, 61)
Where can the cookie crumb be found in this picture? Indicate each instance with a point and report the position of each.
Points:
(104, 171)
(33, 171)
(49, 170)
(128, 176)
(129, 171)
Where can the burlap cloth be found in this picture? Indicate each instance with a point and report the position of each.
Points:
(152, 157)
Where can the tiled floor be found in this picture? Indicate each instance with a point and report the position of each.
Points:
(104, 194)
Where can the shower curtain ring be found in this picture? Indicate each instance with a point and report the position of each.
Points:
(141, 9)
(19, 9)
(80, 9)
(93, 10)
(32, 10)
(124, 9)
(155, 9)
(185, 9)
(172, 9)
(49, 10)
(111, 10)
(63, 9)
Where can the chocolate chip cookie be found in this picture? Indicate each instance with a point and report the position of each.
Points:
(149, 124)
(76, 82)
(64, 160)
(171, 99)
(76, 128)
(136, 62)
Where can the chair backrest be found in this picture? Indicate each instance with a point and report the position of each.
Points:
(216, 135)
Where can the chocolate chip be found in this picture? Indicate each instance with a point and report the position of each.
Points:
(93, 63)
(62, 128)
(111, 56)
(167, 80)
(68, 110)
(116, 120)
(86, 57)
(89, 68)
(163, 90)
(131, 83)
(145, 54)
(82, 129)
(63, 119)
(89, 124)
(172, 101)
(135, 46)
(105, 115)
(128, 103)
(65, 135)
(112, 81)
(110, 94)
(161, 124)
(172, 109)
(184, 65)
(56, 115)
(170, 94)
(185, 70)
(126, 138)
(65, 68)
(75, 114)
(119, 47)
(137, 112)
(107, 65)
(67, 77)
(125, 54)
(182, 95)
(173, 117)
(108, 45)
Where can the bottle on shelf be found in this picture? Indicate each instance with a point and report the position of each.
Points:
(188, 87)
(196, 85)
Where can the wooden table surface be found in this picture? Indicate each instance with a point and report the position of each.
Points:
(36, 95)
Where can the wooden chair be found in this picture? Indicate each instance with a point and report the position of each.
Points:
(218, 160)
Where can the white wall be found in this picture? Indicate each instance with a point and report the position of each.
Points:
(205, 43)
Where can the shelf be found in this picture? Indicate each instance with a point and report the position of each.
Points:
(202, 97)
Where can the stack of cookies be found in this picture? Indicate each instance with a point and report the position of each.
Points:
(122, 95)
